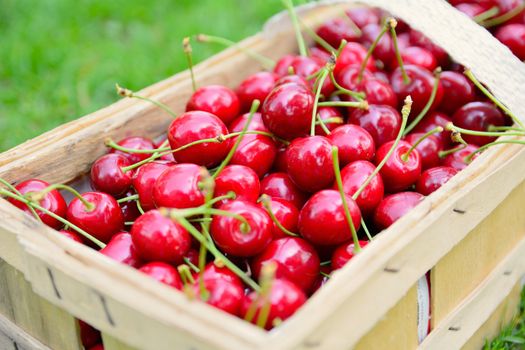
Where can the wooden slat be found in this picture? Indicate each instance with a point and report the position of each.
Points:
(110, 343)
(15, 338)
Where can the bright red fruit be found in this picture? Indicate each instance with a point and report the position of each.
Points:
(353, 143)
(286, 213)
(332, 118)
(378, 92)
(434, 178)
(344, 253)
(240, 180)
(120, 248)
(217, 100)
(433, 120)
(134, 142)
(457, 160)
(395, 206)
(457, 91)
(382, 122)
(353, 54)
(72, 235)
(223, 295)
(384, 51)
(178, 187)
(164, 273)
(89, 336)
(279, 185)
(513, 36)
(144, 181)
(428, 149)
(257, 152)
(255, 87)
(418, 56)
(107, 174)
(398, 174)
(478, 116)
(212, 271)
(335, 30)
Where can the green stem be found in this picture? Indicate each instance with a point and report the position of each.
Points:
(321, 122)
(325, 263)
(504, 17)
(288, 4)
(352, 24)
(365, 228)
(437, 129)
(128, 93)
(267, 278)
(357, 95)
(370, 51)
(112, 144)
(184, 213)
(229, 195)
(358, 104)
(192, 266)
(133, 197)
(265, 200)
(392, 24)
(186, 47)
(139, 207)
(504, 128)
(443, 154)
(312, 34)
(324, 274)
(455, 128)
(17, 192)
(468, 158)
(493, 11)
(320, 83)
(38, 196)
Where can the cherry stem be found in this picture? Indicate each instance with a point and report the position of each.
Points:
(480, 18)
(437, 129)
(504, 17)
(392, 24)
(405, 112)
(53, 215)
(205, 294)
(184, 213)
(38, 196)
(421, 115)
(320, 82)
(321, 123)
(324, 274)
(133, 197)
(339, 181)
(371, 49)
(358, 104)
(129, 223)
(266, 62)
(229, 156)
(128, 93)
(185, 274)
(487, 93)
(451, 127)
(192, 266)
(504, 128)
(325, 263)
(139, 207)
(267, 278)
(229, 195)
(365, 228)
(288, 4)
(186, 47)
(357, 95)
(112, 144)
(312, 34)
(355, 28)
(468, 158)
(17, 192)
(443, 154)
(266, 202)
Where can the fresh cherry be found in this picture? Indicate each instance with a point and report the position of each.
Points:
(395, 206)
(433, 178)
(428, 149)
(256, 123)
(336, 30)
(382, 122)
(457, 91)
(240, 180)
(353, 54)
(378, 92)
(417, 56)
(72, 235)
(513, 36)
(255, 87)
(384, 51)
(363, 16)
(107, 174)
(257, 152)
(144, 181)
(164, 273)
(223, 295)
(478, 116)
(212, 272)
(120, 248)
(353, 143)
(332, 118)
(418, 39)
(344, 253)
(282, 65)
(217, 100)
(279, 185)
(433, 120)
(286, 213)
(135, 142)
(178, 187)
(398, 174)
(457, 160)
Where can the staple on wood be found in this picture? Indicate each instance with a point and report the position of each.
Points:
(106, 309)
(454, 329)
(391, 270)
(53, 283)
(459, 211)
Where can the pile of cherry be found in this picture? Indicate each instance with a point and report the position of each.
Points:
(251, 209)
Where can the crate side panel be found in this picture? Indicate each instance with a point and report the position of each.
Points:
(111, 343)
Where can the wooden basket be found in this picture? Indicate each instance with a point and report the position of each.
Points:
(470, 234)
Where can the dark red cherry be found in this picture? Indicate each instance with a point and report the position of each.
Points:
(164, 273)
(382, 122)
(428, 149)
(310, 164)
(178, 187)
(457, 91)
(513, 36)
(397, 173)
(72, 235)
(103, 221)
(257, 152)
(255, 124)
(281, 67)
(286, 214)
(135, 142)
(166, 156)
(255, 87)
(296, 261)
(378, 92)
(434, 178)
(332, 118)
(280, 162)
(217, 100)
(157, 238)
(353, 143)
(285, 298)
(419, 88)
(418, 39)
(239, 179)
(478, 116)
(307, 66)
(384, 51)
(129, 209)
(433, 120)
(320, 54)
(456, 160)
(353, 176)
(120, 248)
(363, 16)
(212, 272)
(279, 185)
(322, 220)
(417, 56)
(107, 174)
(344, 253)
(238, 239)
(144, 181)
(293, 78)
(287, 111)
(197, 125)
(395, 206)
(89, 336)
(335, 30)
(223, 295)
(52, 201)
(353, 54)
(348, 77)
(97, 347)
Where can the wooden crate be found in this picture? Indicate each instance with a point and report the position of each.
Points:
(470, 234)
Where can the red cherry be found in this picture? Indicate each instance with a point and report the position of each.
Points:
(193, 126)
(120, 248)
(307, 66)
(192, 256)
(378, 92)
(52, 201)
(281, 67)
(89, 336)
(293, 78)
(353, 143)
(296, 261)
(178, 187)
(71, 235)
(418, 39)
(362, 16)
(513, 36)
(397, 173)
(320, 54)
(144, 180)
(353, 176)
(348, 77)
(384, 51)
(217, 100)
(257, 152)
(457, 91)
(107, 174)
(433, 120)
(309, 161)
(256, 123)
(129, 209)
(326, 113)
(103, 221)
(382, 122)
(287, 215)
(135, 142)
(434, 178)
(279, 185)
(239, 179)
(456, 160)
(164, 273)
(256, 87)
(97, 347)
(344, 253)
(428, 149)
(213, 272)
(335, 30)
(280, 162)
(506, 6)
(167, 156)
(234, 237)
(157, 238)
(223, 295)
(353, 54)
(417, 56)
(322, 220)
(478, 116)
(285, 298)
(395, 206)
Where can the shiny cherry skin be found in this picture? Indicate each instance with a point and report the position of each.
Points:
(281, 66)
(378, 92)
(157, 238)
(255, 87)
(256, 123)
(306, 66)
(135, 142)
(257, 152)
(167, 156)
(395, 206)
(197, 125)
(178, 187)
(223, 295)
(353, 176)
(129, 209)
(428, 149)
(239, 179)
(233, 237)
(384, 51)
(217, 100)
(381, 122)
(398, 174)
(89, 336)
(107, 174)
(279, 164)
(120, 248)
(286, 214)
(363, 16)
(280, 185)
(478, 116)
(457, 91)
(348, 77)
(417, 56)
(418, 39)
(164, 273)
(322, 220)
(144, 180)
(332, 118)
(353, 143)
(284, 298)
(292, 78)
(344, 253)
(72, 235)
(296, 261)
(333, 31)
(353, 54)
(52, 201)
(319, 53)
(513, 36)
(419, 88)
(456, 160)
(287, 111)
(310, 164)
(103, 221)
(433, 178)
(433, 120)
(212, 271)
